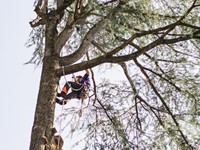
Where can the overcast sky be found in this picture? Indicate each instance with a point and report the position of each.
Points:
(19, 83)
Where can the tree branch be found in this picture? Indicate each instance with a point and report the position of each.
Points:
(82, 50)
(98, 46)
(44, 16)
(151, 108)
(41, 8)
(107, 58)
(162, 100)
(124, 67)
(65, 34)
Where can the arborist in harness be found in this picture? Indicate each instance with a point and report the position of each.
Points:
(78, 89)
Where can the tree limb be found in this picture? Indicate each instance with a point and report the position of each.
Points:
(82, 50)
(65, 34)
(111, 59)
(43, 14)
(162, 100)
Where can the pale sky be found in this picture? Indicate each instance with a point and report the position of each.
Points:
(19, 82)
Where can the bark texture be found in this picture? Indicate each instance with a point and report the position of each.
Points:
(42, 137)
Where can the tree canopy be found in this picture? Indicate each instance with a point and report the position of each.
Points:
(156, 43)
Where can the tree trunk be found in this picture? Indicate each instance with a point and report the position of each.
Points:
(42, 137)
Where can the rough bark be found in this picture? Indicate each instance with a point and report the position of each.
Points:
(42, 137)
(42, 130)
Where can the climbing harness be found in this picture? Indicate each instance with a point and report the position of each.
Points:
(84, 94)
(74, 89)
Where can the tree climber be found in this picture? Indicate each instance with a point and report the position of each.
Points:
(78, 89)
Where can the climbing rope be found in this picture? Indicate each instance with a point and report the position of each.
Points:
(84, 88)
(61, 119)
(84, 92)
(60, 125)
(63, 69)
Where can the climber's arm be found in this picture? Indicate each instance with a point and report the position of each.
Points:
(87, 72)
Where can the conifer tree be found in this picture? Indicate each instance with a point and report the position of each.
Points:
(156, 43)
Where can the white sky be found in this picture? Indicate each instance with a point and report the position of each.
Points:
(19, 83)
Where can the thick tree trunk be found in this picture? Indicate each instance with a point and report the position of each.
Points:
(42, 137)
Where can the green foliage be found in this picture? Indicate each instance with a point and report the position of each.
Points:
(37, 38)
(157, 105)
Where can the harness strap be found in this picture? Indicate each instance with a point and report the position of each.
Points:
(63, 69)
